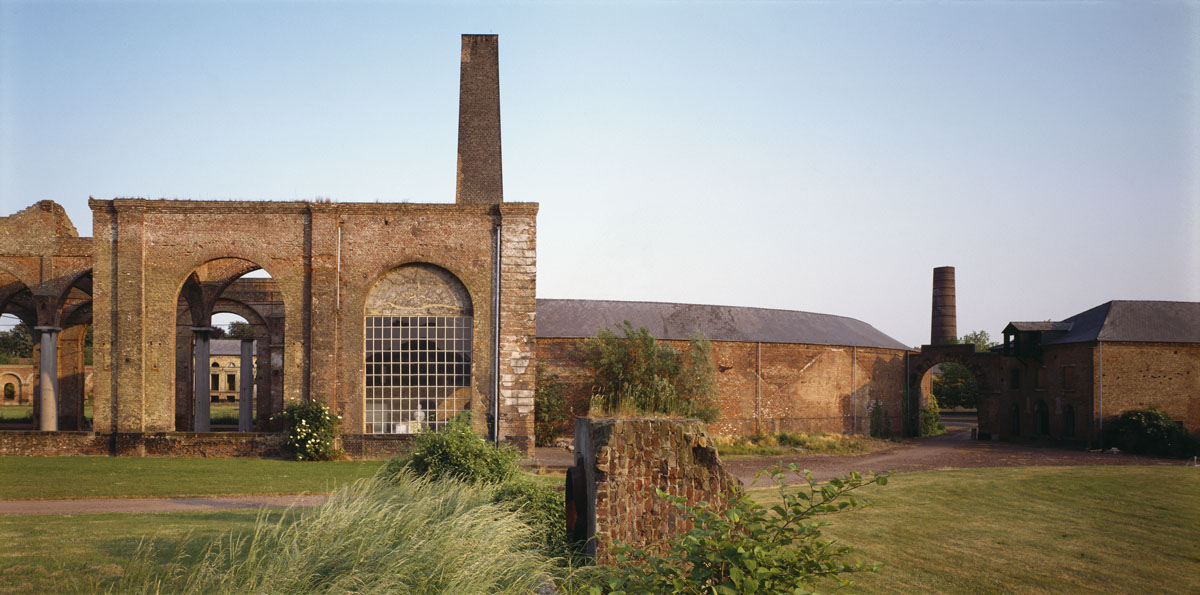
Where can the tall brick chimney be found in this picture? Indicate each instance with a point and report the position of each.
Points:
(945, 326)
(479, 172)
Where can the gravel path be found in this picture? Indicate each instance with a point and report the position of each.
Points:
(954, 450)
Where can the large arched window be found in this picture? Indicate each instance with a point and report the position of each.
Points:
(417, 351)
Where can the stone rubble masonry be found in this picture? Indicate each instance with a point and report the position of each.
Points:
(625, 461)
(480, 179)
(518, 323)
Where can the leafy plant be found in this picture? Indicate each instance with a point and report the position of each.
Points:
(881, 421)
(931, 419)
(311, 430)
(549, 408)
(636, 375)
(456, 451)
(543, 509)
(1151, 431)
(744, 547)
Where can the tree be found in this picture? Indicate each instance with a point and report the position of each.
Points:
(956, 386)
(16, 342)
(979, 339)
(637, 375)
(240, 330)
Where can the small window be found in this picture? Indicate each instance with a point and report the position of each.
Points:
(1014, 379)
(216, 365)
(1039, 379)
(231, 382)
(1015, 420)
(1068, 377)
(1069, 421)
(10, 392)
(216, 382)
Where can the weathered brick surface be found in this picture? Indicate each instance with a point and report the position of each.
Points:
(480, 178)
(808, 388)
(50, 444)
(625, 462)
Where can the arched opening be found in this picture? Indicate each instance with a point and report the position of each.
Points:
(1041, 418)
(1068, 422)
(1014, 422)
(956, 391)
(18, 317)
(417, 350)
(228, 310)
(10, 392)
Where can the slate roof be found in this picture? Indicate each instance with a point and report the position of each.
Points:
(225, 347)
(1133, 321)
(581, 318)
(1047, 325)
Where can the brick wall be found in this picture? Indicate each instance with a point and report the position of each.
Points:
(808, 388)
(1165, 375)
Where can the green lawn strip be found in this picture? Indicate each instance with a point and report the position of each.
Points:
(76, 553)
(39, 478)
(809, 444)
(1119, 529)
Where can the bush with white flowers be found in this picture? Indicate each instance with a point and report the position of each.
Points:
(312, 428)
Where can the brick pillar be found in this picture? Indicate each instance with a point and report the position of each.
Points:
(323, 307)
(479, 171)
(103, 313)
(518, 322)
(129, 303)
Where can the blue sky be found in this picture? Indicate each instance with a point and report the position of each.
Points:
(808, 156)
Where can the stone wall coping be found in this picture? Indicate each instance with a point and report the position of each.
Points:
(299, 207)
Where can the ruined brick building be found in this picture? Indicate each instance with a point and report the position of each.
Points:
(398, 316)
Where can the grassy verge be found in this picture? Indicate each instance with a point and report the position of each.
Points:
(31, 478)
(72, 553)
(1029, 530)
(790, 443)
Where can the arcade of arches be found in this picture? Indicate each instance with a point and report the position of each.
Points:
(386, 312)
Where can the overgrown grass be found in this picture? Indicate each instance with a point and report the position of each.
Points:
(16, 414)
(32, 478)
(405, 535)
(1119, 529)
(787, 443)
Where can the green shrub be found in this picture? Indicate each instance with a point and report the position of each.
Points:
(931, 419)
(311, 430)
(549, 408)
(636, 375)
(746, 548)
(1151, 431)
(881, 421)
(543, 508)
(457, 451)
(402, 534)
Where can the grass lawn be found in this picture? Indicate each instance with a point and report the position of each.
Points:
(31, 478)
(71, 553)
(1029, 530)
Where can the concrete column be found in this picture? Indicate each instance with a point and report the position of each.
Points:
(201, 397)
(246, 388)
(48, 416)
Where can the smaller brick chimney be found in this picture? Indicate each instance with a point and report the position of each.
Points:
(944, 328)
(479, 171)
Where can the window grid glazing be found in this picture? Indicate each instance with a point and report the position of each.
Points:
(418, 372)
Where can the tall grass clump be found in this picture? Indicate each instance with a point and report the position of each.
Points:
(636, 375)
(403, 534)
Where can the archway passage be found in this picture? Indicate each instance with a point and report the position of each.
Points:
(417, 351)
(972, 373)
(246, 388)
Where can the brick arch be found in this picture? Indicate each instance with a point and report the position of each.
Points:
(984, 366)
(473, 294)
(7, 378)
